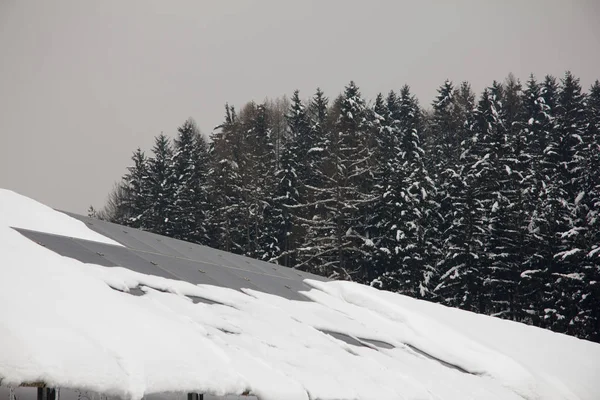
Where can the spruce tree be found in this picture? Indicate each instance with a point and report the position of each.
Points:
(443, 130)
(507, 232)
(190, 163)
(316, 250)
(406, 201)
(294, 173)
(352, 152)
(589, 304)
(567, 277)
(137, 183)
(381, 221)
(132, 197)
(495, 194)
(162, 188)
(336, 237)
(287, 195)
(189, 183)
(318, 112)
(449, 134)
(225, 186)
(533, 125)
(262, 219)
(477, 205)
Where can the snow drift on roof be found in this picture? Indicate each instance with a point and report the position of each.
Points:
(22, 212)
(70, 324)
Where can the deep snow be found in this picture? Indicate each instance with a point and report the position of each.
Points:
(62, 322)
(19, 211)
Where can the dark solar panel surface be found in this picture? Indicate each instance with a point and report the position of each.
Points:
(153, 254)
(126, 258)
(67, 247)
(151, 242)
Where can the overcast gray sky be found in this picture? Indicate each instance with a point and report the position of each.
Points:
(83, 83)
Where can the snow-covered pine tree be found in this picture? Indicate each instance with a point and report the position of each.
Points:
(185, 180)
(370, 266)
(589, 304)
(549, 214)
(446, 146)
(423, 248)
(380, 221)
(258, 167)
(319, 158)
(290, 192)
(225, 186)
(317, 250)
(286, 196)
(496, 193)
(352, 176)
(571, 125)
(473, 193)
(303, 143)
(190, 163)
(567, 278)
(446, 128)
(405, 203)
(134, 199)
(442, 143)
(592, 172)
(460, 282)
(534, 122)
(549, 94)
(507, 230)
(277, 110)
(464, 102)
(201, 196)
(335, 239)
(162, 187)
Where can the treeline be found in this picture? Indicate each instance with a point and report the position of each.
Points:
(490, 204)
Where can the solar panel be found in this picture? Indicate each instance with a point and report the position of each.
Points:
(191, 250)
(152, 254)
(286, 288)
(125, 258)
(116, 232)
(129, 237)
(249, 264)
(200, 253)
(157, 242)
(66, 247)
(182, 269)
(225, 277)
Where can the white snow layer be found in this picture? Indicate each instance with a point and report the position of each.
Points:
(22, 212)
(62, 323)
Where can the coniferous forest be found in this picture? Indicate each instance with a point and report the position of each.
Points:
(489, 203)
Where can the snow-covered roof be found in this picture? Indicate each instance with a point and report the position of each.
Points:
(23, 212)
(63, 323)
